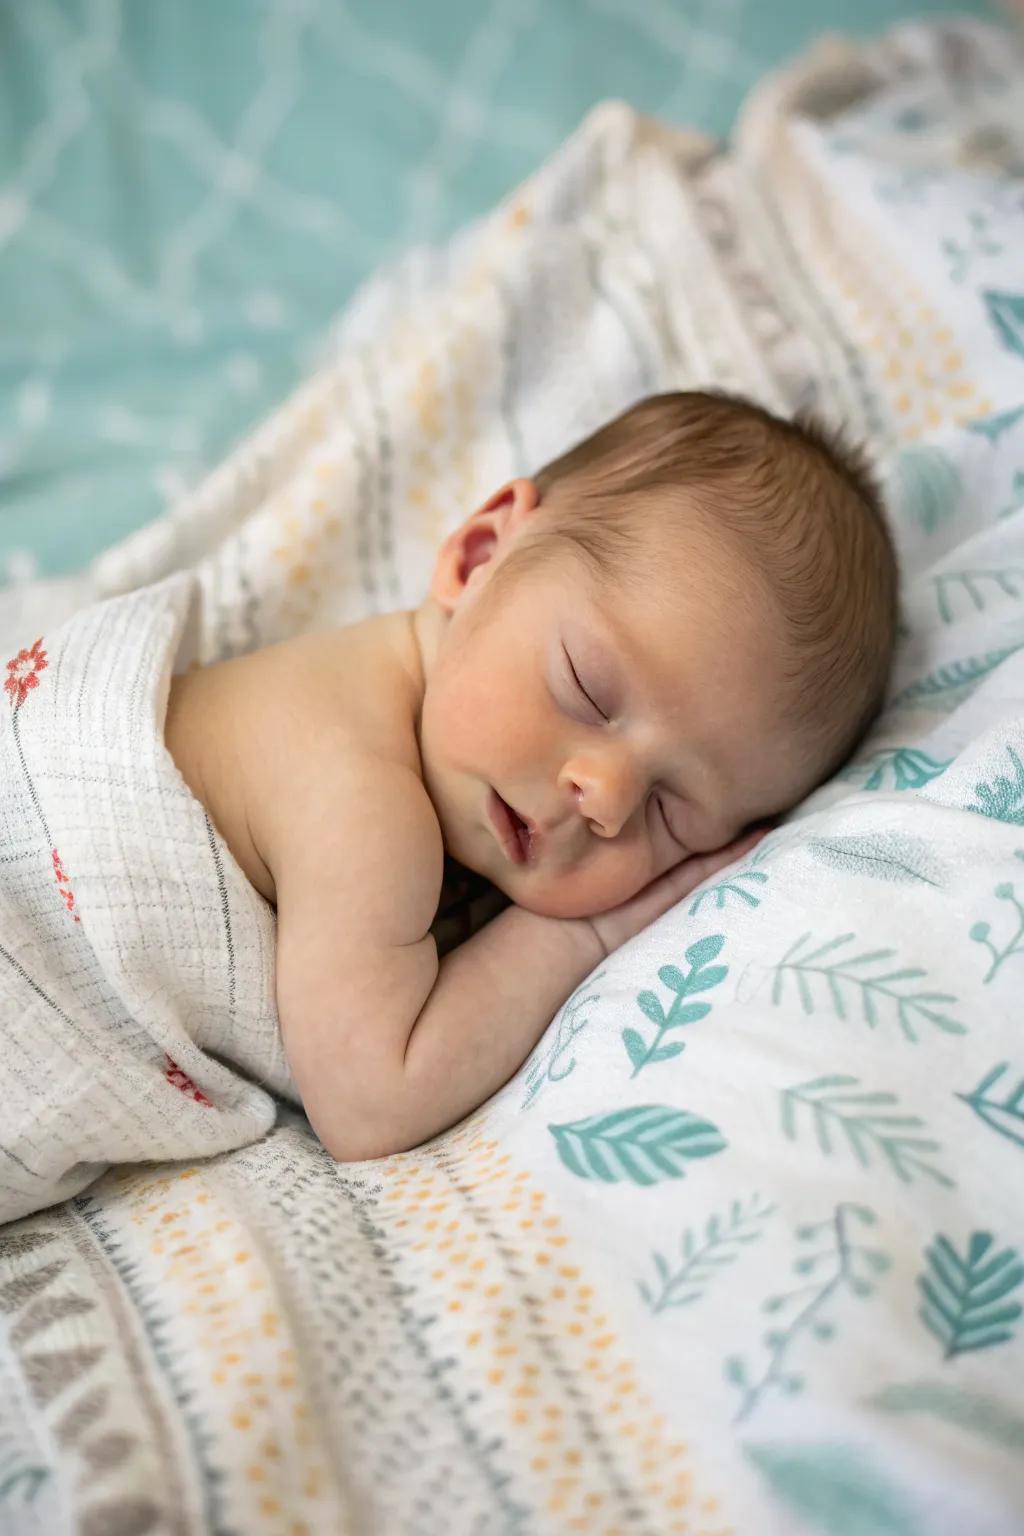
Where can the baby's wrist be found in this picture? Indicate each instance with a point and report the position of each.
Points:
(591, 938)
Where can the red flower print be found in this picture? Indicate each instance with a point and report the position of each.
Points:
(62, 880)
(180, 1079)
(23, 672)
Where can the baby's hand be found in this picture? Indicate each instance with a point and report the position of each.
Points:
(621, 923)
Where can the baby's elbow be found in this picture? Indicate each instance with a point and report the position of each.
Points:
(347, 1146)
(360, 1139)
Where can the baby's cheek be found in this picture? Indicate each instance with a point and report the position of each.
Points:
(610, 879)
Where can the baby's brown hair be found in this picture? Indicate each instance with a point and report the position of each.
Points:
(795, 501)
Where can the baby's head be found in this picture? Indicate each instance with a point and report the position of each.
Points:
(678, 628)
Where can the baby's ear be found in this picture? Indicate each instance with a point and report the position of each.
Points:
(483, 537)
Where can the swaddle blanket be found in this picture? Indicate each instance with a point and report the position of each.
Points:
(135, 951)
(741, 1247)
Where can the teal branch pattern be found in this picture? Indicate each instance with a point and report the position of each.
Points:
(547, 1065)
(1003, 798)
(978, 242)
(948, 686)
(838, 1266)
(977, 585)
(845, 978)
(702, 1261)
(981, 932)
(733, 884)
(701, 976)
(1005, 1116)
(864, 1120)
(909, 769)
(966, 1300)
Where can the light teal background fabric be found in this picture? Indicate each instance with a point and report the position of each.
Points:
(189, 191)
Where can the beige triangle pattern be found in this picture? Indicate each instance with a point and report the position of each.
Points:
(82, 1416)
(47, 1310)
(17, 1292)
(128, 1517)
(50, 1373)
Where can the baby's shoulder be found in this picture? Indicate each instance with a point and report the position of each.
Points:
(274, 742)
(346, 691)
(330, 716)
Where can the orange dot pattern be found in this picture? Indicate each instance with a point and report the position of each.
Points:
(919, 371)
(229, 1333)
(590, 1449)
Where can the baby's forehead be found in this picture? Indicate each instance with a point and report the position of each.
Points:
(706, 570)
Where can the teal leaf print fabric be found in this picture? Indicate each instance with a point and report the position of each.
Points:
(891, 856)
(895, 768)
(555, 1057)
(1009, 945)
(1004, 1114)
(992, 427)
(929, 486)
(739, 1247)
(957, 590)
(703, 1256)
(967, 1299)
(869, 1123)
(1003, 797)
(862, 982)
(835, 1263)
(836, 1490)
(970, 1412)
(700, 977)
(1006, 311)
(741, 888)
(642, 1145)
(951, 684)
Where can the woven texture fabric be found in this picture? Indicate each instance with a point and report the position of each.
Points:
(740, 1248)
(135, 951)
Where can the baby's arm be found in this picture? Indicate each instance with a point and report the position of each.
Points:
(388, 1045)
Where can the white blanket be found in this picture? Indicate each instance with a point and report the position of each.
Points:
(134, 952)
(741, 1248)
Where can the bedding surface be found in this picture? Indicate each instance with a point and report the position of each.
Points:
(189, 191)
(741, 1247)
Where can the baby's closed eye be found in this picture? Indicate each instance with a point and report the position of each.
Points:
(669, 819)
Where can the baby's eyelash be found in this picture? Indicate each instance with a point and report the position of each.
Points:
(661, 808)
(580, 686)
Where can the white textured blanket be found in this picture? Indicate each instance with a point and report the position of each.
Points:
(741, 1248)
(135, 952)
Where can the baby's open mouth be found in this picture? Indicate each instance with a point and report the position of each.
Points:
(513, 832)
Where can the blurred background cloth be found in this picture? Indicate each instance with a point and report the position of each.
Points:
(189, 192)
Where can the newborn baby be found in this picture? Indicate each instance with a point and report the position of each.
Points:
(623, 665)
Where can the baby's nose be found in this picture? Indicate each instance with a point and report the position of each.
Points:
(605, 794)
